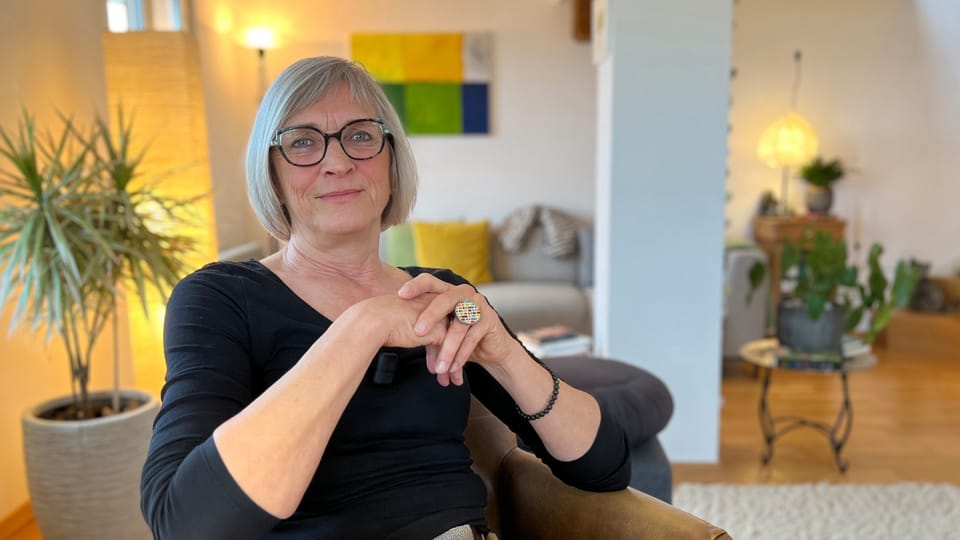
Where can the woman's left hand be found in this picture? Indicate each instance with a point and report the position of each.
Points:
(486, 342)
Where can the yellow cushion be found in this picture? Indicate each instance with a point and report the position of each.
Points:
(463, 247)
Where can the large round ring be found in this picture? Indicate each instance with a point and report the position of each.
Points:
(467, 312)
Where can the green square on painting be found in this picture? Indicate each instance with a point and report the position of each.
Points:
(433, 108)
(395, 93)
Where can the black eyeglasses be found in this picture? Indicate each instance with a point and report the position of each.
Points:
(305, 146)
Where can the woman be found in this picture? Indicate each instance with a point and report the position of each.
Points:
(308, 394)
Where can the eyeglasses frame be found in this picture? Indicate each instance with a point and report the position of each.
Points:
(387, 135)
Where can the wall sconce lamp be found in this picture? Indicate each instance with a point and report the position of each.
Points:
(789, 141)
(261, 39)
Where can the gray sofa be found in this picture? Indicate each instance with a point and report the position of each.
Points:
(743, 320)
(531, 289)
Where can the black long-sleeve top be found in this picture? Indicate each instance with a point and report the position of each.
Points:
(396, 465)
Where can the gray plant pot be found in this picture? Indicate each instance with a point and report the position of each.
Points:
(798, 332)
(84, 476)
(819, 199)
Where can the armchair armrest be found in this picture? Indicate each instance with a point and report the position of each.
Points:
(536, 505)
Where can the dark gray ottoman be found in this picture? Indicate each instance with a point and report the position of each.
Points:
(639, 401)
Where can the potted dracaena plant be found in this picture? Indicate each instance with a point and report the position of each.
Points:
(828, 298)
(77, 228)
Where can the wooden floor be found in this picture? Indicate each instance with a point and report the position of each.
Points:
(906, 427)
(30, 532)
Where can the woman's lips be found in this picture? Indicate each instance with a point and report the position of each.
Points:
(339, 196)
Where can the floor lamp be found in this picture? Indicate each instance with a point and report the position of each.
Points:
(261, 39)
(789, 141)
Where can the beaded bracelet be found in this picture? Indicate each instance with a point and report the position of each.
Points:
(549, 407)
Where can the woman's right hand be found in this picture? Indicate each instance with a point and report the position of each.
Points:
(392, 318)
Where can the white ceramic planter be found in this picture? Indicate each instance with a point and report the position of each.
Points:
(84, 476)
(819, 199)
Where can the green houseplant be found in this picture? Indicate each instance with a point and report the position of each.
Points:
(77, 229)
(74, 229)
(820, 175)
(828, 294)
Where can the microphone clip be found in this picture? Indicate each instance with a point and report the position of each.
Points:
(385, 368)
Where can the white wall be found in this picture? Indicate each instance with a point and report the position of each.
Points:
(661, 150)
(541, 149)
(880, 87)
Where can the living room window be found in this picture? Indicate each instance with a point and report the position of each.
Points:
(137, 15)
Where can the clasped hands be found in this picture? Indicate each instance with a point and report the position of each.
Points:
(420, 315)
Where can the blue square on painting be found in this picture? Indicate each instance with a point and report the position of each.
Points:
(475, 99)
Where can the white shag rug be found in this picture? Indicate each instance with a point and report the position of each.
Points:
(826, 511)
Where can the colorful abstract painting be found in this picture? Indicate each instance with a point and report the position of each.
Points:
(439, 83)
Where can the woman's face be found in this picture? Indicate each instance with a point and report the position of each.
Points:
(339, 195)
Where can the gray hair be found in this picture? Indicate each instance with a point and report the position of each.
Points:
(298, 87)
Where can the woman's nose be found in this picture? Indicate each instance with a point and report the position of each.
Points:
(336, 161)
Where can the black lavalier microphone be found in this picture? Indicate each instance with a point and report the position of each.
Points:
(385, 368)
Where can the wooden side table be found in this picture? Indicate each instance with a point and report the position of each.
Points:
(771, 232)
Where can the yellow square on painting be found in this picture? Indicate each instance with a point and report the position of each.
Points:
(381, 54)
(433, 57)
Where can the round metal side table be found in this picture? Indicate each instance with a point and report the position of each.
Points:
(763, 354)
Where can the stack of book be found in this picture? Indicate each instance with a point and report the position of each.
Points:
(851, 347)
(854, 346)
(820, 361)
(557, 340)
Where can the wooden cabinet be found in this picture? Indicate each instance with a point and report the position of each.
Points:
(771, 232)
(927, 333)
(582, 30)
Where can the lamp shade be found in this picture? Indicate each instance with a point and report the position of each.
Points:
(788, 142)
(261, 38)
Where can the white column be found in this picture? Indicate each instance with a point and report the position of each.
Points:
(662, 98)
